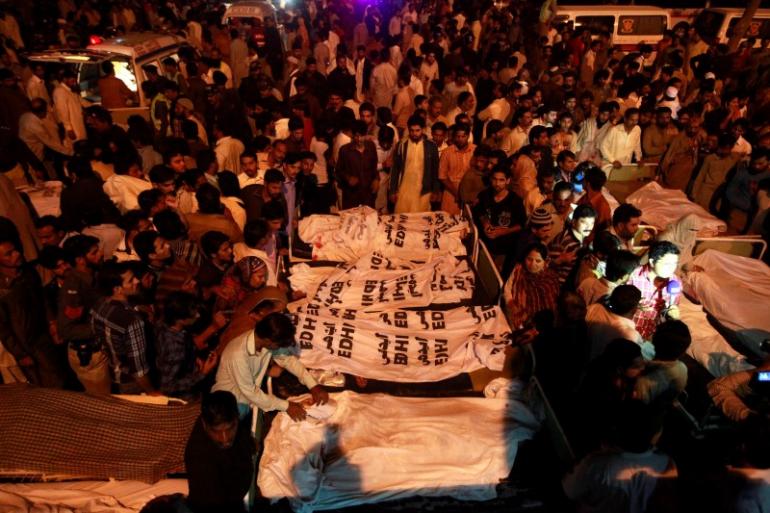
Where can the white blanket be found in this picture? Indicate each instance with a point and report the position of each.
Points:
(376, 447)
(735, 290)
(85, 496)
(708, 347)
(399, 345)
(376, 283)
(661, 207)
(358, 231)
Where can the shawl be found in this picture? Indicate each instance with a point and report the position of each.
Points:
(527, 294)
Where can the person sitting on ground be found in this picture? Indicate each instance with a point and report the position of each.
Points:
(665, 377)
(219, 457)
(247, 358)
(595, 262)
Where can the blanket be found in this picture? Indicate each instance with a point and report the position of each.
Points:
(736, 291)
(376, 447)
(355, 232)
(399, 345)
(54, 431)
(376, 283)
(660, 207)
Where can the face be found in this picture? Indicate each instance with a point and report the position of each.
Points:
(223, 435)
(568, 164)
(49, 236)
(177, 164)
(61, 268)
(561, 202)
(525, 120)
(565, 124)
(95, 256)
(584, 226)
(298, 134)
(571, 104)
(367, 117)
(759, 165)
(534, 262)
(439, 136)
(631, 121)
(547, 184)
(129, 283)
(290, 171)
(665, 266)
(435, 108)
(358, 139)
(415, 133)
(628, 230)
(542, 232)
(604, 116)
(543, 140)
(279, 153)
(10, 257)
(224, 253)
(249, 166)
(274, 224)
(335, 101)
(273, 189)
(162, 249)
(257, 279)
(306, 166)
(461, 139)
(499, 182)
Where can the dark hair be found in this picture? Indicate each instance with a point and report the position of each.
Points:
(583, 211)
(563, 186)
(161, 174)
(211, 241)
(605, 243)
(661, 248)
(130, 220)
(219, 408)
(624, 299)
(595, 178)
(273, 210)
(48, 220)
(535, 132)
(415, 120)
(144, 244)
(624, 213)
(50, 256)
(178, 306)
(359, 127)
(228, 183)
(254, 231)
(671, 339)
(169, 224)
(148, 199)
(537, 246)
(564, 155)
(78, 246)
(110, 276)
(209, 199)
(620, 263)
(273, 176)
(277, 328)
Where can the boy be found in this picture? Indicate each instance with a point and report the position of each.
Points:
(500, 213)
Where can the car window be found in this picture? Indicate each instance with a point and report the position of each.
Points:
(596, 24)
(91, 72)
(758, 27)
(641, 25)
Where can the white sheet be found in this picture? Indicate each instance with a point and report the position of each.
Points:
(708, 347)
(661, 207)
(400, 345)
(377, 447)
(375, 283)
(358, 231)
(85, 496)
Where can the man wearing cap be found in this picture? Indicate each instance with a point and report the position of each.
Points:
(185, 110)
(670, 99)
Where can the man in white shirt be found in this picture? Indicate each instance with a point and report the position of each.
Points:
(228, 149)
(37, 134)
(383, 82)
(498, 109)
(519, 135)
(245, 362)
(615, 320)
(251, 173)
(69, 107)
(428, 70)
(36, 84)
(623, 142)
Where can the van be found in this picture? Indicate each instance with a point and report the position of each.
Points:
(716, 25)
(629, 26)
(239, 15)
(128, 54)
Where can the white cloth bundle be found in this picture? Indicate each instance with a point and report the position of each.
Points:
(661, 207)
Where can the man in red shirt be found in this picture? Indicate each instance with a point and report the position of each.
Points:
(661, 289)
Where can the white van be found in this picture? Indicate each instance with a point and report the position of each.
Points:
(716, 25)
(128, 54)
(629, 26)
(240, 14)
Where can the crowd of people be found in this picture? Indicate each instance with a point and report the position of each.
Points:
(163, 272)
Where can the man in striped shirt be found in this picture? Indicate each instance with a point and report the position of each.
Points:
(567, 247)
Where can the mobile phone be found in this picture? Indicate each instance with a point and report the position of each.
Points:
(763, 376)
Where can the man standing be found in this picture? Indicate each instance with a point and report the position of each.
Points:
(622, 143)
(246, 359)
(357, 169)
(414, 176)
(218, 457)
(69, 109)
(383, 82)
(657, 137)
(239, 57)
(453, 164)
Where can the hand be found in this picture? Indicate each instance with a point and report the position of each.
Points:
(209, 364)
(219, 320)
(352, 181)
(673, 313)
(189, 286)
(296, 412)
(71, 134)
(617, 164)
(27, 361)
(320, 395)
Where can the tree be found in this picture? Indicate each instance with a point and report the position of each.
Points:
(743, 24)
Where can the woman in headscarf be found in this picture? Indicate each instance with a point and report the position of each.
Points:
(252, 309)
(532, 286)
(247, 276)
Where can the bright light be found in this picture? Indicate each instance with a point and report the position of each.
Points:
(95, 40)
